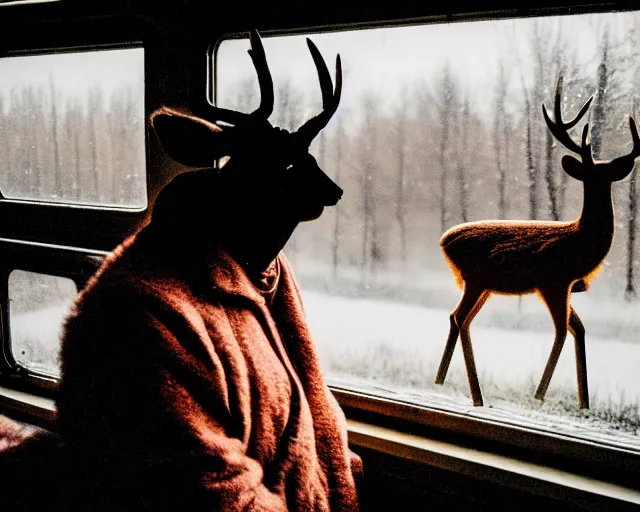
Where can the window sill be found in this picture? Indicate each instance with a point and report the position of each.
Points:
(29, 408)
(613, 463)
(478, 464)
(511, 472)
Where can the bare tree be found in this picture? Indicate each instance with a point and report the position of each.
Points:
(548, 65)
(57, 186)
(630, 292)
(24, 113)
(447, 98)
(401, 136)
(76, 124)
(95, 108)
(501, 138)
(462, 155)
(371, 254)
(599, 117)
(13, 127)
(339, 141)
(531, 169)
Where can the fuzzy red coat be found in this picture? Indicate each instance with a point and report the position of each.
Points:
(183, 389)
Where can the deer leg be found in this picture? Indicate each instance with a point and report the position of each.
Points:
(577, 330)
(448, 350)
(470, 298)
(557, 300)
(467, 351)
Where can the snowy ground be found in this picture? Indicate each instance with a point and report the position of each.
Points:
(35, 338)
(397, 347)
(394, 349)
(347, 329)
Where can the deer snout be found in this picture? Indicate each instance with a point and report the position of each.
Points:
(328, 190)
(334, 196)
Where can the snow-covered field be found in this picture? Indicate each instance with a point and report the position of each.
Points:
(397, 348)
(35, 338)
(393, 348)
(347, 330)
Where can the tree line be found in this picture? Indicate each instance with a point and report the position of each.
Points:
(60, 147)
(437, 159)
(433, 160)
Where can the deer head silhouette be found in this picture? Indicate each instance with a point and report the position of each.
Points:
(270, 181)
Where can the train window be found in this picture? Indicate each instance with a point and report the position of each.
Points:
(73, 128)
(441, 124)
(38, 305)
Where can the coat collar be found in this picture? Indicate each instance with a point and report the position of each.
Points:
(226, 275)
(222, 273)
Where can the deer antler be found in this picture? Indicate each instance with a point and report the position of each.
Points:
(560, 129)
(635, 151)
(330, 98)
(264, 76)
(265, 81)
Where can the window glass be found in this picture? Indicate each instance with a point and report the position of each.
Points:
(72, 126)
(439, 125)
(38, 306)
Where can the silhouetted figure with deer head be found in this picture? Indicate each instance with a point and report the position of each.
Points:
(189, 378)
(550, 258)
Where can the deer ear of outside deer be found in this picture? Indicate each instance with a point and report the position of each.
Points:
(190, 141)
(573, 167)
(619, 168)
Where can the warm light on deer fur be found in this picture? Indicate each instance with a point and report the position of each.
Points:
(550, 258)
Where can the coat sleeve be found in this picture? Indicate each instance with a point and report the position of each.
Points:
(355, 461)
(135, 387)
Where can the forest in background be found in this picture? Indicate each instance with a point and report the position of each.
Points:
(410, 169)
(435, 159)
(64, 148)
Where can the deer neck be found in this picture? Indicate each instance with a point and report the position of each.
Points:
(597, 217)
(257, 246)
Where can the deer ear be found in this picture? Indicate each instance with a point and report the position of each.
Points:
(620, 168)
(189, 140)
(573, 167)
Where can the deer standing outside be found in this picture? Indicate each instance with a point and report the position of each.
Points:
(550, 258)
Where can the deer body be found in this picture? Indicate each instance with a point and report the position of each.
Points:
(550, 258)
(518, 257)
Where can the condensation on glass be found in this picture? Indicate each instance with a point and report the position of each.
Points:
(72, 128)
(441, 124)
(38, 306)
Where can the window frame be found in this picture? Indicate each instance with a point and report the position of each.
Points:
(74, 234)
(78, 49)
(599, 460)
(68, 262)
(83, 225)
